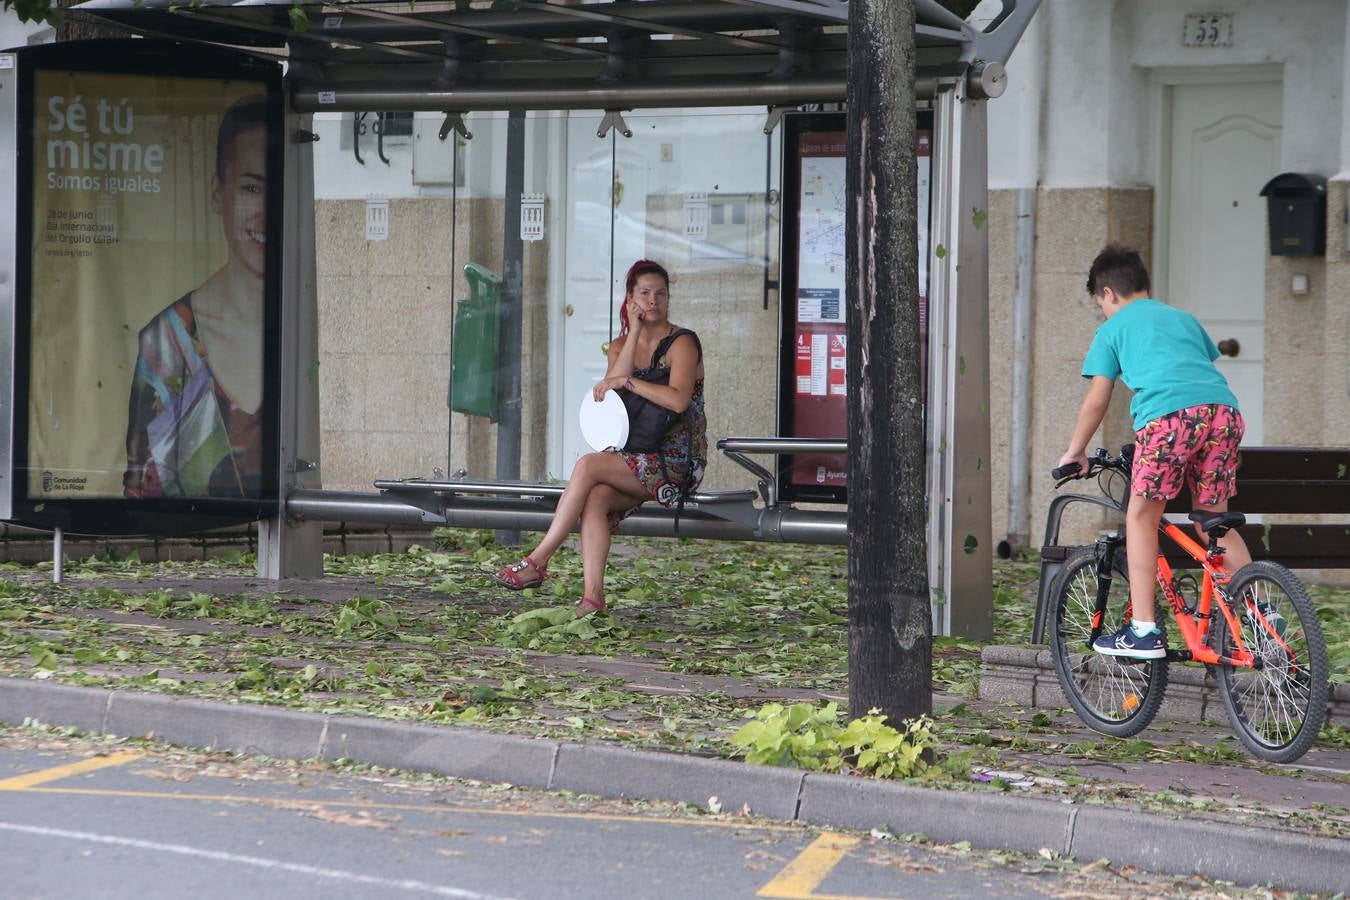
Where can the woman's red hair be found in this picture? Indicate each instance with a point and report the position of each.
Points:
(636, 271)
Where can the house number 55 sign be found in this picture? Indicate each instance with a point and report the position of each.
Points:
(1208, 30)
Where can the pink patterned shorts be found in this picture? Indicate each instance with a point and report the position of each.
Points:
(1198, 446)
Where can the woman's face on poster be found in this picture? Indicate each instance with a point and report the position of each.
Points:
(239, 197)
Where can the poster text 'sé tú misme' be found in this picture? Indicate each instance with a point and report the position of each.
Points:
(84, 151)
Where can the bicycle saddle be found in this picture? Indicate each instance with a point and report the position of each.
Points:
(1217, 524)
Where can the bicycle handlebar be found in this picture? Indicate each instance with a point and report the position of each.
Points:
(1098, 462)
(1069, 470)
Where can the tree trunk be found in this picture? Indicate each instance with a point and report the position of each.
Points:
(890, 629)
(77, 28)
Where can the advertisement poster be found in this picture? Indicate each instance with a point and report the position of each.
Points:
(148, 304)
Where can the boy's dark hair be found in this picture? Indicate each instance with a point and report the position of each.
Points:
(245, 114)
(1121, 269)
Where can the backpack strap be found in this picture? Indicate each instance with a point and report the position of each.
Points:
(670, 339)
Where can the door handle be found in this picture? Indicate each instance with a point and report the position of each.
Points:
(1229, 347)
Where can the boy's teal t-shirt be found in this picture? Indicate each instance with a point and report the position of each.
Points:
(1162, 354)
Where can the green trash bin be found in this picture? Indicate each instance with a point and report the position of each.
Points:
(473, 363)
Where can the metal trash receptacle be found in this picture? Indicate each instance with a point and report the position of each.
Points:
(473, 361)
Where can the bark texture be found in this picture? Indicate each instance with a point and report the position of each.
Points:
(890, 628)
(75, 27)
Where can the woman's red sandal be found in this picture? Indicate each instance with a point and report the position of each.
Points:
(511, 576)
(586, 606)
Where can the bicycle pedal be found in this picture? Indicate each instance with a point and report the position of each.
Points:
(1179, 656)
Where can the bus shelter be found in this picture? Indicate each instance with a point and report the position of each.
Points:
(779, 64)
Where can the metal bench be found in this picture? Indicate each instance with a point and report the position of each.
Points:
(529, 506)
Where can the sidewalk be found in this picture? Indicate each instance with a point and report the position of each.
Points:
(412, 661)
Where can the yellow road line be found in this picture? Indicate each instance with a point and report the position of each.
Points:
(94, 763)
(805, 873)
(285, 802)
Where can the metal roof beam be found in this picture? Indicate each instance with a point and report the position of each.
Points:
(831, 10)
(304, 36)
(439, 25)
(590, 95)
(580, 12)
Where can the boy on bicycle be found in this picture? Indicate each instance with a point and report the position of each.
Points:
(1186, 420)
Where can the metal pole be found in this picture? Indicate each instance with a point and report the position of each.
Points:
(752, 90)
(58, 556)
(508, 370)
(453, 138)
(1019, 456)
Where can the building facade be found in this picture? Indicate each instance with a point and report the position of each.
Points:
(1124, 122)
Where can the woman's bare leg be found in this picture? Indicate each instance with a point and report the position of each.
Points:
(592, 470)
(596, 537)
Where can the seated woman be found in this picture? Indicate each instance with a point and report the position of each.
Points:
(609, 485)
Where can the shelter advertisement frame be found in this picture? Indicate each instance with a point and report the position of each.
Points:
(147, 211)
(812, 402)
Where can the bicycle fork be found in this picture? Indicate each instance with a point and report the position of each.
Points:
(1104, 551)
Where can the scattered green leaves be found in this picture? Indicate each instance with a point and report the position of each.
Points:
(805, 736)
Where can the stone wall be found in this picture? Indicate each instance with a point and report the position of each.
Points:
(1072, 225)
(384, 342)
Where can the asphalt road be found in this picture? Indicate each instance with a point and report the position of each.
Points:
(89, 818)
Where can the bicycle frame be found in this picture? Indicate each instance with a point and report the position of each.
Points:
(1194, 626)
(1193, 622)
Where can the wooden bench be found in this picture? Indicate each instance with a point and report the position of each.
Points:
(1299, 480)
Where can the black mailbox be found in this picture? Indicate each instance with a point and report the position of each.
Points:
(1297, 208)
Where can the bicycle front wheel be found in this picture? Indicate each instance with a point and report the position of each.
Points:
(1275, 710)
(1114, 695)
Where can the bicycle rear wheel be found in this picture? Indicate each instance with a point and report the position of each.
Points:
(1276, 710)
(1111, 694)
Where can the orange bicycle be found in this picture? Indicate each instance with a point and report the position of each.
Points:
(1256, 628)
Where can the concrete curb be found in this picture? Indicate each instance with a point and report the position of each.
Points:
(1242, 854)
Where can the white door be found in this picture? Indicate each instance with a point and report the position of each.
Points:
(606, 226)
(1225, 145)
(586, 322)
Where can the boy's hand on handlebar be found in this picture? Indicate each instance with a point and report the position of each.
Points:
(1071, 465)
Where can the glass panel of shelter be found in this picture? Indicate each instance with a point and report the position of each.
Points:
(696, 190)
(562, 249)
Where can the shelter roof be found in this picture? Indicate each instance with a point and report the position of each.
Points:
(468, 54)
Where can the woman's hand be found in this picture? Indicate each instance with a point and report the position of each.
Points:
(613, 383)
(633, 315)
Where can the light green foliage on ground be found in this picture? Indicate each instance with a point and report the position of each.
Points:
(1333, 610)
(806, 736)
(697, 637)
(801, 736)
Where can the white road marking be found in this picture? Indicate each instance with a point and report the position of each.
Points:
(221, 856)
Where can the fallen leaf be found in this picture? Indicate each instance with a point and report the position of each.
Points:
(360, 818)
